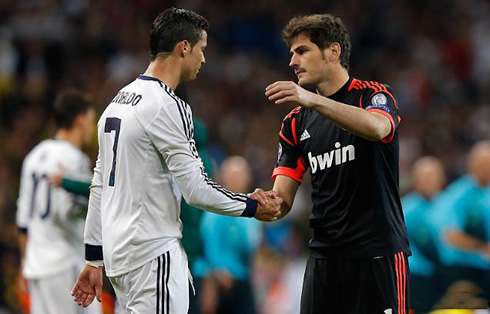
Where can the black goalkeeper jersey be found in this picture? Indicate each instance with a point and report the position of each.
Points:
(356, 205)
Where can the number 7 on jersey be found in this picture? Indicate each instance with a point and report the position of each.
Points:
(113, 124)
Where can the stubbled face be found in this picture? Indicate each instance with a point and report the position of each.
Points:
(195, 59)
(308, 61)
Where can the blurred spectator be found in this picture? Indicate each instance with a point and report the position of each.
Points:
(49, 219)
(229, 250)
(459, 219)
(281, 278)
(428, 179)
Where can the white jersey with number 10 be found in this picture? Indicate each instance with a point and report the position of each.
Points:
(51, 216)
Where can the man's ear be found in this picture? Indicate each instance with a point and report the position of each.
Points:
(335, 52)
(183, 48)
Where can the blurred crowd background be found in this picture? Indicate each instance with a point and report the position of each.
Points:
(435, 54)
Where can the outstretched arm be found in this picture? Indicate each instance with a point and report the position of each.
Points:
(467, 242)
(372, 126)
(171, 134)
(77, 186)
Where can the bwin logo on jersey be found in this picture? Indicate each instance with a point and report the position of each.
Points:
(337, 156)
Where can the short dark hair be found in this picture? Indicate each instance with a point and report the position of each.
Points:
(323, 30)
(69, 103)
(172, 26)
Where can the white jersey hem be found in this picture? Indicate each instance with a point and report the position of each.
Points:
(167, 247)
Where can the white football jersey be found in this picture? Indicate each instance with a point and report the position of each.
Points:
(147, 160)
(52, 217)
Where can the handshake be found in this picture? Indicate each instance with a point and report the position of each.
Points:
(269, 207)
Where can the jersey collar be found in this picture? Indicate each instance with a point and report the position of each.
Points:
(151, 78)
(340, 94)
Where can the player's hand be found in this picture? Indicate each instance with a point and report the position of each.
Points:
(56, 178)
(260, 196)
(269, 205)
(224, 279)
(88, 286)
(282, 92)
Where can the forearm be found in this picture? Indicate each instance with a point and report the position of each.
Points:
(286, 189)
(93, 226)
(287, 200)
(93, 222)
(201, 192)
(209, 196)
(466, 242)
(370, 126)
(93, 229)
(78, 187)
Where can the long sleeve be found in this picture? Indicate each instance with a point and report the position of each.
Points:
(77, 186)
(93, 224)
(24, 202)
(171, 131)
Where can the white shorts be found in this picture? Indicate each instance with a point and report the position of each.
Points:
(160, 286)
(52, 295)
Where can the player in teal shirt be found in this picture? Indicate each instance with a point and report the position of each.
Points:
(459, 218)
(230, 245)
(428, 179)
(229, 250)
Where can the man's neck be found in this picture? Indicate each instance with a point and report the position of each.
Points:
(72, 136)
(427, 196)
(334, 83)
(166, 70)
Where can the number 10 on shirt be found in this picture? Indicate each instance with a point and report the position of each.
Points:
(113, 124)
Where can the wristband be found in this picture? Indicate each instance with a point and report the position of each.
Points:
(250, 208)
(95, 264)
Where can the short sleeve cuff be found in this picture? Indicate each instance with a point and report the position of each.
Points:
(389, 137)
(250, 209)
(288, 172)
